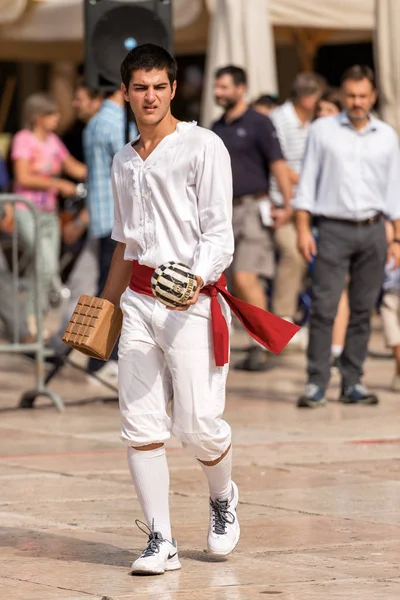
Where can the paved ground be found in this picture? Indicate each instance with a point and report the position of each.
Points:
(319, 509)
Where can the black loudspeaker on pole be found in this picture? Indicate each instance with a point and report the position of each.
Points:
(113, 27)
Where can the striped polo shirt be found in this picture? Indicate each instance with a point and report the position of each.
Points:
(292, 135)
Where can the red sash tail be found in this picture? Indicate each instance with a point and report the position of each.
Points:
(269, 330)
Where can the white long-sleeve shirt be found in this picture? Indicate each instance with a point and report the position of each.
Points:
(177, 204)
(350, 174)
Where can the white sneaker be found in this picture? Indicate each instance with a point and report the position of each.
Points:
(160, 555)
(107, 375)
(224, 530)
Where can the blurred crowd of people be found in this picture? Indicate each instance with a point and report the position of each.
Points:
(316, 215)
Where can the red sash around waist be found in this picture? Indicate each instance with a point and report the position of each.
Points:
(269, 330)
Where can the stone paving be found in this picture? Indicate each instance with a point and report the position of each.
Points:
(319, 495)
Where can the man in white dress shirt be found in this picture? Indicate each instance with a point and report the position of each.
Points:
(350, 180)
(173, 201)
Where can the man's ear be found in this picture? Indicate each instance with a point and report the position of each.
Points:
(124, 92)
(173, 90)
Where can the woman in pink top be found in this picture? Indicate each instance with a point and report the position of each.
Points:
(40, 158)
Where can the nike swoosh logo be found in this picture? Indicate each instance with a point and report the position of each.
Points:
(172, 555)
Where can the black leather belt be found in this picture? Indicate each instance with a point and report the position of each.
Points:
(374, 219)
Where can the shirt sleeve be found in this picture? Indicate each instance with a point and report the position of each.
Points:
(117, 233)
(306, 191)
(213, 181)
(268, 141)
(22, 146)
(393, 182)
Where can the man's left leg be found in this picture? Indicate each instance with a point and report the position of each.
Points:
(198, 405)
(366, 275)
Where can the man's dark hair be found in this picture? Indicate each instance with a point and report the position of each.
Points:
(307, 84)
(267, 100)
(333, 96)
(93, 93)
(147, 57)
(237, 73)
(358, 73)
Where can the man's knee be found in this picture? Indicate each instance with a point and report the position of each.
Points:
(148, 447)
(245, 280)
(206, 446)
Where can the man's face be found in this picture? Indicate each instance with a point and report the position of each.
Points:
(149, 95)
(358, 98)
(85, 106)
(226, 93)
(264, 110)
(309, 102)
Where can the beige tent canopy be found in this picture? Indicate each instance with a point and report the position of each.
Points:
(51, 30)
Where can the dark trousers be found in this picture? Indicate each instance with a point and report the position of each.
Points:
(106, 251)
(360, 252)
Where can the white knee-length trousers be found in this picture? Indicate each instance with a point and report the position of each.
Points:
(166, 355)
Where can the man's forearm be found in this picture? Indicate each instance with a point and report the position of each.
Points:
(396, 229)
(118, 276)
(280, 170)
(302, 219)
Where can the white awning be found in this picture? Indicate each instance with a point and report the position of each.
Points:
(62, 20)
(323, 14)
(240, 34)
(387, 51)
(11, 10)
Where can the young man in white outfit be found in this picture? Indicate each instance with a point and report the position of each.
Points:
(173, 202)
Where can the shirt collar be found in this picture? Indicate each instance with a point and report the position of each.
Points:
(343, 119)
(110, 105)
(237, 119)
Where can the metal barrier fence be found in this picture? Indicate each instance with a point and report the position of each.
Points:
(9, 244)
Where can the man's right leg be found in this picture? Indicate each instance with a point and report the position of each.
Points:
(329, 276)
(144, 391)
(290, 272)
(254, 257)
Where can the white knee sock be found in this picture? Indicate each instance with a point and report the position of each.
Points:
(219, 477)
(150, 476)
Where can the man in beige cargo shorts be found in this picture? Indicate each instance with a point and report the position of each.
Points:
(255, 152)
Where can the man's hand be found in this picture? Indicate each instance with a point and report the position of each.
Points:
(66, 188)
(189, 303)
(393, 255)
(7, 221)
(306, 244)
(71, 232)
(281, 215)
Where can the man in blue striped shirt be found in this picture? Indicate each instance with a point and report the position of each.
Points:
(350, 180)
(103, 137)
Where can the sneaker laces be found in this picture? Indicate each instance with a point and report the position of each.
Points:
(155, 539)
(221, 515)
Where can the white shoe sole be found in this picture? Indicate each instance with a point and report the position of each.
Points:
(172, 565)
(237, 537)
